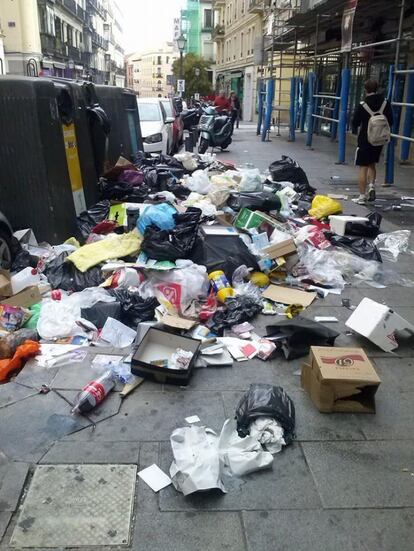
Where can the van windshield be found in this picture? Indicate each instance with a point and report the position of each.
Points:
(149, 112)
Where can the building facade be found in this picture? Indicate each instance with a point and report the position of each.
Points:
(63, 38)
(149, 74)
(238, 32)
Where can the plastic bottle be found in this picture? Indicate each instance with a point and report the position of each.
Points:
(25, 278)
(94, 393)
(221, 285)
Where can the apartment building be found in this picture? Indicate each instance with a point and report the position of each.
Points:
(238, 32)
(149, 74)
(64, 38)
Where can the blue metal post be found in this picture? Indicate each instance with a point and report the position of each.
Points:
(260, 108)
(408, 120)
(343, 114)
(292, 121)
(299, 88)
(334, 126)
(392, 95)
(269, 107)
(310, 108)
(305, 89)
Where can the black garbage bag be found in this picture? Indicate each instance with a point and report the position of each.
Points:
(22, 260)
(297, 335)
(238, 310)
(123, 191)
(65, 275)
(365, 229)
(100, 312)
(88, 219)
(176, 243)
(357, 245)
(134, 308)
(223, 252)
(262, 400)
(288, 170)
(263, 201)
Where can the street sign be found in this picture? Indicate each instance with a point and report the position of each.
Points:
(197, 96)
(180, 85)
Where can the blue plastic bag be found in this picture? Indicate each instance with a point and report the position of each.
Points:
(161, 215)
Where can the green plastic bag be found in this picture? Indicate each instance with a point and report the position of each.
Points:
(32, 322)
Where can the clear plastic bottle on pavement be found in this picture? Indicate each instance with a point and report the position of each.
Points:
(94, 393)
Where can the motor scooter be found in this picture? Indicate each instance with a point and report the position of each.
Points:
(216, 130)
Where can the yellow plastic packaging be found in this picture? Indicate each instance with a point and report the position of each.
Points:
(259, 279)
(221, 285)
(323, 206)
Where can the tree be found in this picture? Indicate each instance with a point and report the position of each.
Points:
(195, 81)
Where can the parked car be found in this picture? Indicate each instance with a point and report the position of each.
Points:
(155, 126)
(6, 245)
(177, 127)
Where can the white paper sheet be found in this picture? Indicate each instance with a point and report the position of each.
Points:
(155, 478)
(117, 334)
(192, 419)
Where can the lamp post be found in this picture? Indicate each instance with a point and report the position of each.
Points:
(181, 44)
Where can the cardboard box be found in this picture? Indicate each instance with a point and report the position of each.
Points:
(283, 248)
(378, 323)
(5, 285)
(27, 297)
(248, 219)
(340, 380)
(288, 295)
(158, 345)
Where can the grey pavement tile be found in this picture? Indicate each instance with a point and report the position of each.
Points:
(92, 452)
(4, 521)
(107, 408)
(146, 499)
(188, 531)
(153, 416)
(363, 474)
(396, 374)
(357, 530)
(394, 417)
(12, 478)
(12, 392)
(394, 297)
(34, 376)
(29, 427)
(310, 423)
(287, 485)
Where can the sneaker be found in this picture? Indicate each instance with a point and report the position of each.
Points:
(360, 200)
(371, 192)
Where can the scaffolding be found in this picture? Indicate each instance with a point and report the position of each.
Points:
(326, 83)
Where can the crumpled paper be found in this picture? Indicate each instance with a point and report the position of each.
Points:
(269, 433)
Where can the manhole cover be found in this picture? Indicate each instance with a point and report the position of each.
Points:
(77, 505)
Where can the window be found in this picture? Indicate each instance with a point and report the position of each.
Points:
(159, 62)
(243, 6)
(167, 60)
(58, 28)
(50, 21)
(69, 35)
(241, 44)
(234, 47)
(235, 8)
(252, 42)
(208, 19)
(149, 112)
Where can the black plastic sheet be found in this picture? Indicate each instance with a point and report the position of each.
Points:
(357, 245)
(100, 312)
(238, 310)
(65, 275)
(262, 400)
(263, 201)
(364, 229)
(297, 336)
(288, 170)
(91, 217)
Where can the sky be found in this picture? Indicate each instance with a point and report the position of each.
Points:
(148, 24)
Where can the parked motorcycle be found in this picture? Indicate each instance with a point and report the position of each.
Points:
(191, 117)
(215, 130)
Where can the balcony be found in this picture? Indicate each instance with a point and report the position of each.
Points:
(256, 6)
(74, 53)
(73, 8)
(97, 7)
(99, 41)
(53, 46)
(218, 33)
(217, 3)
(86, 58)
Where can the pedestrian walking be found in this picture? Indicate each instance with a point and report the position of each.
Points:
(235, 108)
(374, 119)
(221, 103)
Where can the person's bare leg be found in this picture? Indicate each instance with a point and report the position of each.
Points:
(372, 174)
(363, 179)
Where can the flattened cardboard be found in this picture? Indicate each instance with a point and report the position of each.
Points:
(27, 297)
(340, 380)
(283, 248)
(286, 295)
(177, 322)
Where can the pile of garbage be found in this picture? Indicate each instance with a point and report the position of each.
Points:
(173, 265)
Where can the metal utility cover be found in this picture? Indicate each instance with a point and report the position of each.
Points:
(77, 505)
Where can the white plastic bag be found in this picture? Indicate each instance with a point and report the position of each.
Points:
(187, 159)
(240, 456)
(250, 180)
(58, 318)
(196, 464)
(392, 244)
(269, 433)
(198, 182)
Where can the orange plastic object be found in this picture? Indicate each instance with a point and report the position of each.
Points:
(25, 351)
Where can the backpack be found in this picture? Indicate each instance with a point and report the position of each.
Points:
(379, 132)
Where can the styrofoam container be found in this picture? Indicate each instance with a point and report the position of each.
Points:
(338, 222)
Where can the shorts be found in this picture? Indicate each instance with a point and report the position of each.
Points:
(368, 155)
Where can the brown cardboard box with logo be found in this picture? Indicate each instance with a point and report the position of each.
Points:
(340, 380)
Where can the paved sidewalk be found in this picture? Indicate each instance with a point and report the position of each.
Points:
(346, 483)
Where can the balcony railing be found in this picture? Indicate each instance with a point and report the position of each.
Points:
(98, 7)
(256, 6)
(53, 45)
(73, 8)
(74, 53)
(99, 40)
